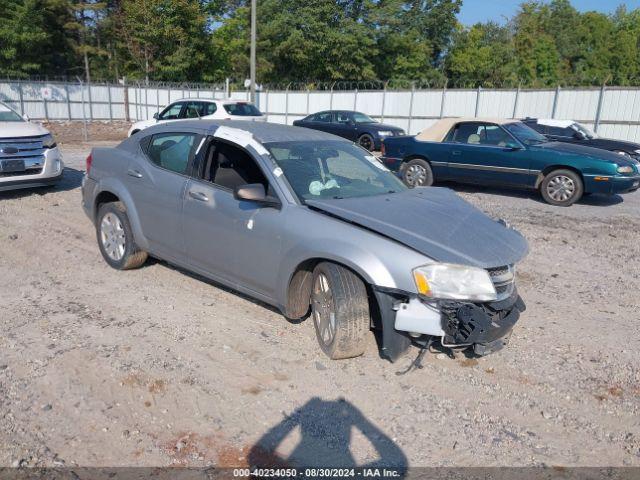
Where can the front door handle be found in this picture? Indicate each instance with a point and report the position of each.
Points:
(198, 196)
(456, 152)
(134, 173)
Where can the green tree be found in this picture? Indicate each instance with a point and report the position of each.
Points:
(483, 55)
(164, 39)
(32, 38)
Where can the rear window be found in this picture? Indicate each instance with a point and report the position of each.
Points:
(242, 109)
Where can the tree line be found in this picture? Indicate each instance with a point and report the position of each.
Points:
(543, 44)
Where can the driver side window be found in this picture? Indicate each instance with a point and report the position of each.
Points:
(482, 134)
(172, 112)
(229, 167)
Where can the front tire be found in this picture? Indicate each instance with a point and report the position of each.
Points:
(366, 141)
(340, 311)
(562, 188)
(417, 173)
(115, 238)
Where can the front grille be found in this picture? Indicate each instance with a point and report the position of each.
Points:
(25, 149)
(503, 279)
(21, 147)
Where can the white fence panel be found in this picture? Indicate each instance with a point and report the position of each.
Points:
(618, 117)
(460, 103)
(319, 101)
(621, 104)
(369, 103)
(577, 104)
(535, 103)
(496, 104)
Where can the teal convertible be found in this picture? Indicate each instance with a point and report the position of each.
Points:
(509, 153)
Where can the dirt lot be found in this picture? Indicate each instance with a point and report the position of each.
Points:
(158, 367)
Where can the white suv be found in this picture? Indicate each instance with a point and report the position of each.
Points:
(29, 156)
(190, 108)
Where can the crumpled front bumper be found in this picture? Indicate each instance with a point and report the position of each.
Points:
(487, 327)
(484, 327)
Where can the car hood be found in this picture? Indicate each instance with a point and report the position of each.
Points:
(435, 222)
(384, 126)
(613, 143)
(583, 151)
(21, 129)
(142, 124)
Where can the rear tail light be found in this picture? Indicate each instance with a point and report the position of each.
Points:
(89, 160)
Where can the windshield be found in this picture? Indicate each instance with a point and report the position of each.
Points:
(332, 169)
(242, 109)
(578, 127)
(362, 118)
(8, 115)
(526, 135)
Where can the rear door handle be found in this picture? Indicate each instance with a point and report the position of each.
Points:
(198, 196)
(134, 173)
(456, 152)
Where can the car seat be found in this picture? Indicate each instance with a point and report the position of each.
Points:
(474, 139)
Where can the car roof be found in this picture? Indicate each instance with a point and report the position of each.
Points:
(262, 132)
(224, 101)
(438, 131)
(552, 122)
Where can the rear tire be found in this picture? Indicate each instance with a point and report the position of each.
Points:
(562, 188)
(417, 173)
(115, 238)
(340, 311)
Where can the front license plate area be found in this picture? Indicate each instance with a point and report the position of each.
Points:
(9, 166)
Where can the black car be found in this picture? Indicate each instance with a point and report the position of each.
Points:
(569, 131)
(355, 126)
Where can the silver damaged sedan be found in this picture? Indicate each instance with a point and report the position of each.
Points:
(314, 225)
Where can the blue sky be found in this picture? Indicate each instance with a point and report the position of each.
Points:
(483, 10)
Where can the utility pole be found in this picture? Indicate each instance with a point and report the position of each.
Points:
(253, 51)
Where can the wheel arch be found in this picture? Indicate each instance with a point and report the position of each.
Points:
(550, 168)
(299, 285)
(112, 190)
(416, 156)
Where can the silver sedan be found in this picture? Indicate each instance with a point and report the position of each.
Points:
(312, 224)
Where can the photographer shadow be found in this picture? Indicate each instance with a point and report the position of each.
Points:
(326, 430)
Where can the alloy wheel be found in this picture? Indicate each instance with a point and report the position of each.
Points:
(112, 236)
(324, 314)
(366, 142)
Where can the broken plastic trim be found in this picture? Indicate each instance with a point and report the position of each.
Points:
(485, 326)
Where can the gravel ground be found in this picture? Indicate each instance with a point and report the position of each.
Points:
(158, 367)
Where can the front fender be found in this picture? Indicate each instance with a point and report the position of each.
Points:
(117, 188)
(379, 261)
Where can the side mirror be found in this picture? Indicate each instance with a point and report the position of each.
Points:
(155, 115)
(25, 117)
(254, 192)
(512, 147)
(579, 135)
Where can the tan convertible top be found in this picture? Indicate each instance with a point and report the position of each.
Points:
(437, 131)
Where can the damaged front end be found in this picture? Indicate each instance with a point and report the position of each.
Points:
(407, 319)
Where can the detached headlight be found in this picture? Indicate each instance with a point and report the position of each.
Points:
(48, 141)
(625, 169)
(385, 133)
(454, 282)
